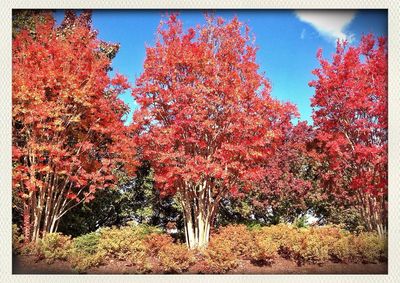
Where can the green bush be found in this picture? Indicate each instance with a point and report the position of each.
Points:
(85, 252)
(300, 222)
(54, 246)
(175, 258)
(142, 230)
(254, 226)
(88, 243)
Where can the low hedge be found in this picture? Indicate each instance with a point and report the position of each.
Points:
(145, 247)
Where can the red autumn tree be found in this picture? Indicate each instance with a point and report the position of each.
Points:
(351, 116)
(68, 133)
(207, 118)
(286, 190)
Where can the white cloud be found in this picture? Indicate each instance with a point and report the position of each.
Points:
(303, 33)
(329, 23)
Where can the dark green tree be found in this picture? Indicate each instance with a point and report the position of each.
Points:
(134, 200)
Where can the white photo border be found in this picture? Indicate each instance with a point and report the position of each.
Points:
(5, 140)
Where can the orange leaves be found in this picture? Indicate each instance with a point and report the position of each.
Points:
(350, 114)
(71, 196)
(88, 197)
(16, 153)
(67, 118)
(85, 146)
(30, 186)
(121, 81)
(201, 113)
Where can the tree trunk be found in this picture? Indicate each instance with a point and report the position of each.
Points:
(372, 209)
(27, 222)
(198, 213)
(197, 230)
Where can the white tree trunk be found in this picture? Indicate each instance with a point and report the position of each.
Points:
(198, 213)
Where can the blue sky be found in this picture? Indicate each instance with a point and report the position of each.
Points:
(288, 41)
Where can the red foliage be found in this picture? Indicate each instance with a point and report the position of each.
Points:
(68, 133)
(206, 115)
(286, 185)
(155, 242)
(350, 113)
(205, 111)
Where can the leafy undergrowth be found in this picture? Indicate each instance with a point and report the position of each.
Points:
(145, 248)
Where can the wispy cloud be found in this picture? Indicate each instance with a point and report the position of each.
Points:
(303, 33)
(329, 23)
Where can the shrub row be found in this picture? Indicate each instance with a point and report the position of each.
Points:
(145, 248)
(262, 245)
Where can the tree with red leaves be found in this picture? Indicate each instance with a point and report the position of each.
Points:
(206, 117)
(68, 133)
(286, 190)
(351, 117)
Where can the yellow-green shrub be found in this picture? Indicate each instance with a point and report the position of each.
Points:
(341, 249)
(17, 238)
(138, 255)
(369, 247)
(287, 238)
(175, 258)
(128, 243)
(310, 247)
(338, 242)
(54, 246)
(281, 233)
(239, 236)
(29, 249)
(264, 248)
(81, 261)
(117, 242)
(137, 244)
(220, 256)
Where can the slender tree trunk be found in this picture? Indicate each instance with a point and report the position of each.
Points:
(27, 222)
(372, 209)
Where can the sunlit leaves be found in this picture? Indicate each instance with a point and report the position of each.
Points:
(68, 133)
(205, 111)
(350, 113)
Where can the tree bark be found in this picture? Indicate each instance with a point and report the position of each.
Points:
(27, 222)
(372, 209)
(198, 212)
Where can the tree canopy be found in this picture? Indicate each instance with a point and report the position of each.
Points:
(68, 133)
